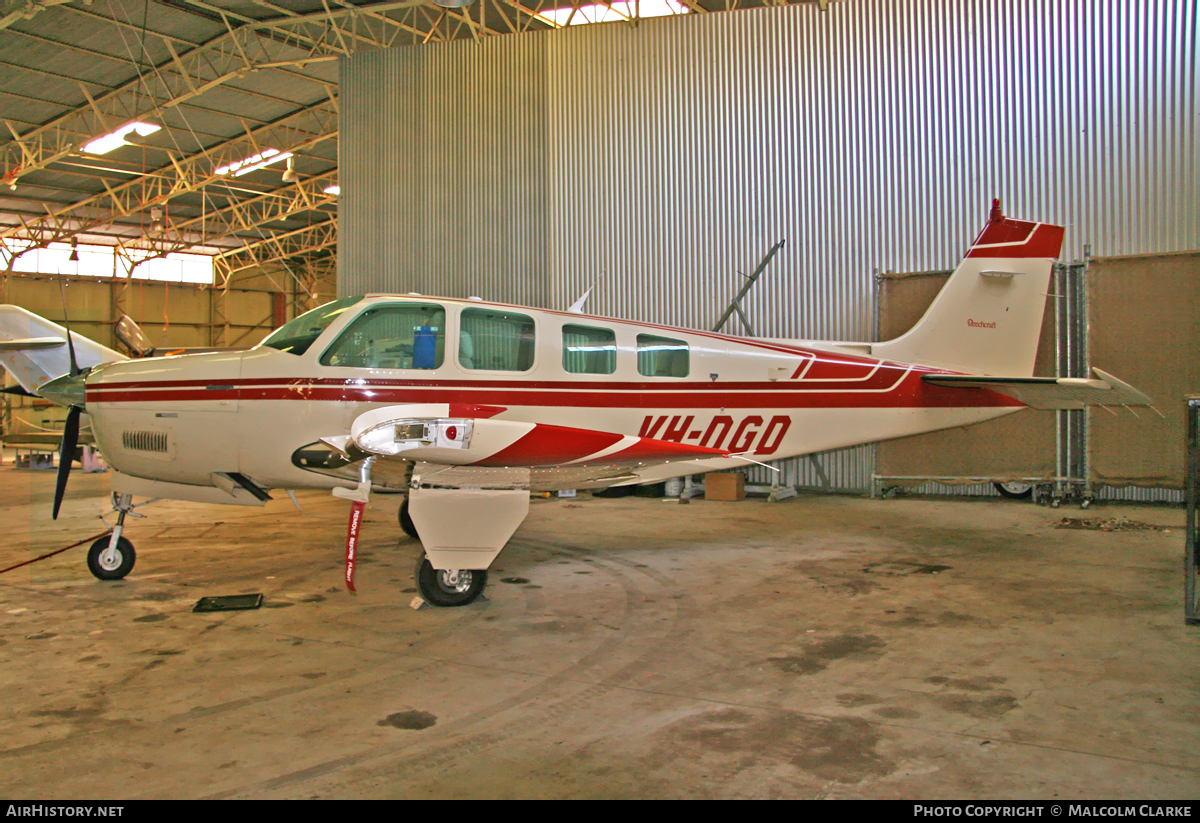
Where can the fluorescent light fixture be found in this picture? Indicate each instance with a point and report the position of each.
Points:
(116, 139)
(334, 190)
(254, 162)
(608, 13)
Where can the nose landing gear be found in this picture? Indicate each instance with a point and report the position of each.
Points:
(112, 556)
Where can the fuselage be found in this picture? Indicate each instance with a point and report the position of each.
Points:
(180, 419)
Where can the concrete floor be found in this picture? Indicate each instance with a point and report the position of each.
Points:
(825, 646)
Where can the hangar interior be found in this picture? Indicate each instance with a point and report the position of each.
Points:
(877, 635)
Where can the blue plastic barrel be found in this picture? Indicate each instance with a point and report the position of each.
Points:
(424, 348)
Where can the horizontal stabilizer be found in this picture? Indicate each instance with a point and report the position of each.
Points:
(32, 343)
(1051, 392)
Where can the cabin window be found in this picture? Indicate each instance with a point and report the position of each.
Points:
(296, 336)
(394, 336)
(589, 350)
(496, 340)
(662, 356)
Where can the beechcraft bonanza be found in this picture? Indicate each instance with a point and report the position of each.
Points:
(467, 406)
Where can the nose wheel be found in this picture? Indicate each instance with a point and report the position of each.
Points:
(449, 587)
(109, 561)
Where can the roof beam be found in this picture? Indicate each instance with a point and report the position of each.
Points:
(13, 10)
(297, 132)
(245, 48)
(299, 243)
(306, 194)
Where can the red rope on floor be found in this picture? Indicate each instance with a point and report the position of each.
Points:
(56, 551)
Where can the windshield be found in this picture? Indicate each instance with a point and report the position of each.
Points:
(295, 337)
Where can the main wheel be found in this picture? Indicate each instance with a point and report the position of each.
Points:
(1015, 491)
(406, 523)
(113, 565)
(449, 587)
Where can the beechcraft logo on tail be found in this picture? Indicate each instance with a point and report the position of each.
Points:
(980, 324)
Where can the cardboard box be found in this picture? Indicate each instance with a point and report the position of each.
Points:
(725, 486)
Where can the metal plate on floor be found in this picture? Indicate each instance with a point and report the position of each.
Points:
(229, 603)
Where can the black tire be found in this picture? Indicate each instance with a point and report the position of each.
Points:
(126, 557)
(1015, 491)
(406, 523)
(437, 590)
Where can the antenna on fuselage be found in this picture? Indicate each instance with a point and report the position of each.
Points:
(577, 306)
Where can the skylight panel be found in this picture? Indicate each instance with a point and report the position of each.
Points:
(116, 139)
(611, 12)
(254, 162)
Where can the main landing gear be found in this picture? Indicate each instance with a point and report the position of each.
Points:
(406, 521)
(461, 531)
(112, 556)
(448, 587)
(442, 587)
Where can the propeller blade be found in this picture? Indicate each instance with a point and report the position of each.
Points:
(66, 456)
(67, 325)
(19, 390)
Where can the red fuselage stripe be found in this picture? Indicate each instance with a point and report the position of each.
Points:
(909, 394)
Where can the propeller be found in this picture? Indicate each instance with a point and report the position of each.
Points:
(74, 404)
(66, 456)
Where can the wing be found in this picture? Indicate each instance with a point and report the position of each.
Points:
(457, 445)
(33, 350)
(1051, 392)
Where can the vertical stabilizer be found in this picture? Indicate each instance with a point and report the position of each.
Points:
(30, 353)
(988, 317)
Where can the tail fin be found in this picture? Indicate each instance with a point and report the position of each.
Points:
(34, 350)
(988, 316)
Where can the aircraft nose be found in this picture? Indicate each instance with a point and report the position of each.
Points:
(67, 390)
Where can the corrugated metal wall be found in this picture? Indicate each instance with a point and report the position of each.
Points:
(662, 159)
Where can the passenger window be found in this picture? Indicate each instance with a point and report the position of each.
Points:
(395, 336)
(496, 340)
(589, 350)
(662, 356)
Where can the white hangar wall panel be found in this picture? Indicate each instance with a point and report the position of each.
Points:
(662, 159)
(442, 168)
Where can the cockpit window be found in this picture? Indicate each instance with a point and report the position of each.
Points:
(392, 336)
(296, 336)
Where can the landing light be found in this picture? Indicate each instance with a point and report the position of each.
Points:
(116, 139)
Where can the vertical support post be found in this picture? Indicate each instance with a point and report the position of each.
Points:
(6, 420)
(1061, 355)
(1084, 369)
(1191, 608)
(219, 327)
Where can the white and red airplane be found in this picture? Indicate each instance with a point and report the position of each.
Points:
(468, 405)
